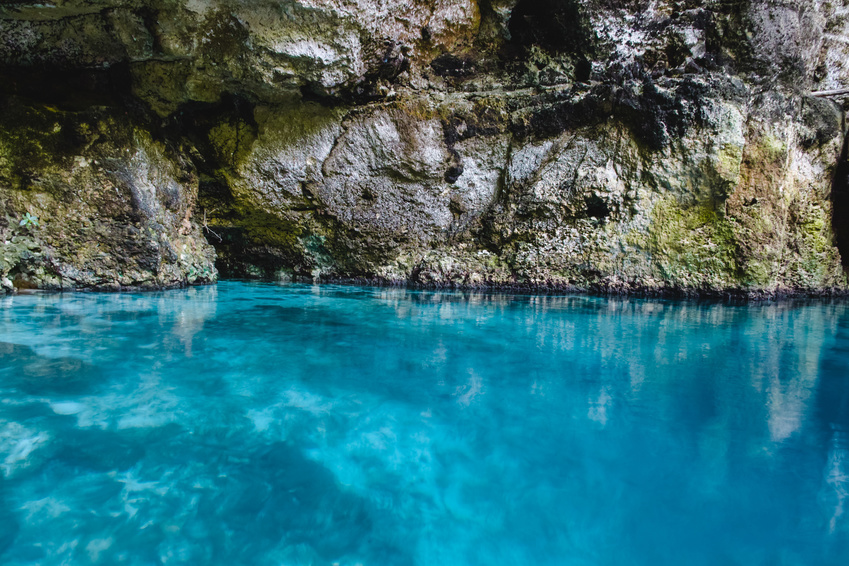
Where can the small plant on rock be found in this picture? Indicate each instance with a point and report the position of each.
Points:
(29, 221)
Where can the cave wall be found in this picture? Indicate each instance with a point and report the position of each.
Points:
(606, 145)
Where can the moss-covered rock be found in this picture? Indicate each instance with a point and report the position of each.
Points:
(114, 211)
(664, 146)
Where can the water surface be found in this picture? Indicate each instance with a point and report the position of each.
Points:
(258, 424)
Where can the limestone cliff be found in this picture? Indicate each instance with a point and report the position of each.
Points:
(605, 145)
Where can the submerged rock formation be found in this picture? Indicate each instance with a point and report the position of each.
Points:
(606, 145)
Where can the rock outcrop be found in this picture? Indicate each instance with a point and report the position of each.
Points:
(660, 146)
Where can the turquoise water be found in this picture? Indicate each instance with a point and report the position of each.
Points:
(258, 424)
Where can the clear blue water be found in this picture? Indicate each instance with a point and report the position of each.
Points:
(258, 424)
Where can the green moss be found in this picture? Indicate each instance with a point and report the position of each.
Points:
(266, 229)
(691, 246)
(26, 149)
(162, 84)
(729, 161)
(38, 138)
(814, 244)
(815, 230)
(226, 36)
(422, 110)
(231, 141)
(771, 149)
(291, 125)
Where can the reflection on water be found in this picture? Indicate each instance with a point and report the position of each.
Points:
(256, 424)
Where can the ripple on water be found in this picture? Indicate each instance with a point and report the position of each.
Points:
(258, 424)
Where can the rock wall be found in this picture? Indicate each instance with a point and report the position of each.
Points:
(652, 146)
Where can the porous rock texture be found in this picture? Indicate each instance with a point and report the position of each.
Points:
(653, 146)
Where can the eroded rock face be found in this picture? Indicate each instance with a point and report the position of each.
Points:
(111, 210)
(607, 145)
